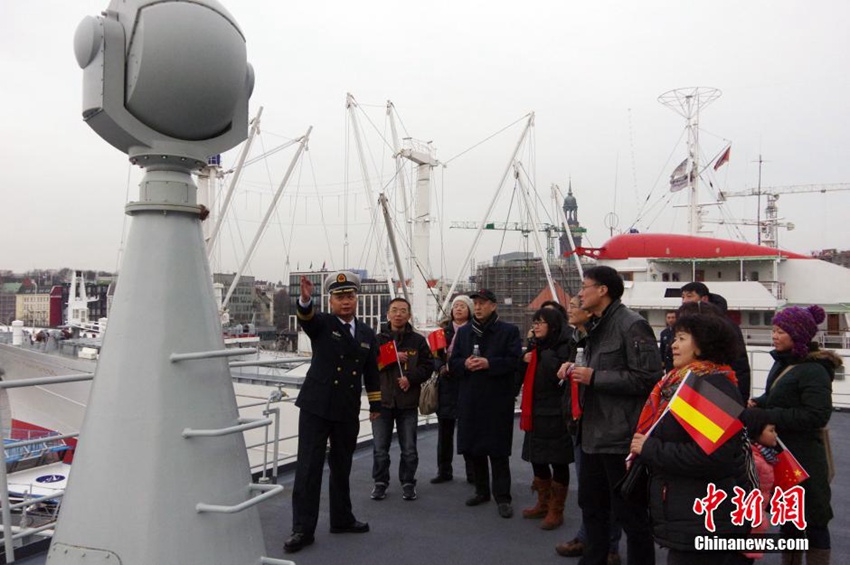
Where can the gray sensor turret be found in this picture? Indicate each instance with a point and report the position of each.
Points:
(161, 474)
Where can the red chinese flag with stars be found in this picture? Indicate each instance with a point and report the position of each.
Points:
(788, 472)
(437, 340)
(387, 355)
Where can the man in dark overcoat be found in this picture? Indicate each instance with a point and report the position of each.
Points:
(485, 357)
(344, 357)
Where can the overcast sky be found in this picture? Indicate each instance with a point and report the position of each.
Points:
(457, 72)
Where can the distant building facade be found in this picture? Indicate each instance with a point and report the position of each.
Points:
(834, 256)
(241, 303)
(32, 305)
(8, 293)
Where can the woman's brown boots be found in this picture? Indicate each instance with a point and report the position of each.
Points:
(543, 488)
(555, 516)
(551, 497)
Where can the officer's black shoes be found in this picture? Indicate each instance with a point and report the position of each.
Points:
(354, 528)
(408, 491)
(505, 510)
(441, 479)
(477, 499)
(298, 541)
(379, 492)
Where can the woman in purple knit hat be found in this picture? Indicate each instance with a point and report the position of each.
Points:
(798, 400)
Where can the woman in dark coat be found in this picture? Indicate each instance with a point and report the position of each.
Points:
(680, 470)
(547, 444)
(460, 314)
(798, 399)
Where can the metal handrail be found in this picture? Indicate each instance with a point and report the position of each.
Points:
(273, 561)
(19, 383)
(176, 357)
(245, 424)
(269, 363)
(6, 511)
(31, 501)
(29, 532)
(269, 492)
(44, 439)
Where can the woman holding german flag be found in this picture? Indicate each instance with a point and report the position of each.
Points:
(689, 437)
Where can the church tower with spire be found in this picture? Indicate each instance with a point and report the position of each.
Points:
(571, 212)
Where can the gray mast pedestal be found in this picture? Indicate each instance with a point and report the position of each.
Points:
(161, 474)
(136, 481)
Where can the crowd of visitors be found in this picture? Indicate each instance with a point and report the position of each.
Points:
(668, 445)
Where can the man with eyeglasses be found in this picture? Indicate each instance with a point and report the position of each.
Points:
(344, 358)
(401, 382)
(622, 366)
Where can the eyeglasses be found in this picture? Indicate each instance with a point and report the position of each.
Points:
(586, 286)
(539, 323)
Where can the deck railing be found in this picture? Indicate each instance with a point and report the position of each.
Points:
(9, 536)
(12, 533)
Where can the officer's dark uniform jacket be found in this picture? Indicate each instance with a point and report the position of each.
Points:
(665, 348)
(623, 354)
(417, 369)
(340, 366)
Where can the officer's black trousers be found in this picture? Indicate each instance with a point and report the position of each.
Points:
(313, 435)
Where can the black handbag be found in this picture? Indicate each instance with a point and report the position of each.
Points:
(634, 486)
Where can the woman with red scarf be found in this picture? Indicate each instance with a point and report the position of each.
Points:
(680, 471)
(547, 444)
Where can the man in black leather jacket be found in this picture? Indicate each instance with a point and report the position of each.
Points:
(623, 364)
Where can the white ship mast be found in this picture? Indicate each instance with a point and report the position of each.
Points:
(423, 155)
(687, 102)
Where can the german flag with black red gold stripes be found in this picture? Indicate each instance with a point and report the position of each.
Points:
(708, 414)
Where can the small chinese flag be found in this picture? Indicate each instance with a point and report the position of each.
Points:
(575, 400)
(387, 355)
(437, 340)
(788, 472)
(724, 158)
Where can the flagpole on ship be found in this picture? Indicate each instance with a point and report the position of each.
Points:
(687, 102)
